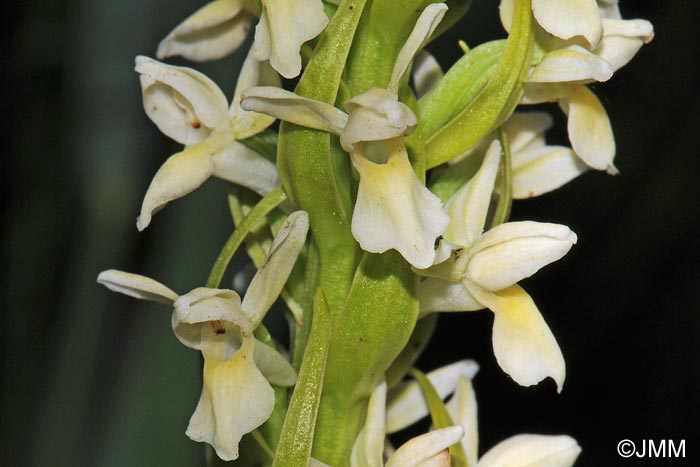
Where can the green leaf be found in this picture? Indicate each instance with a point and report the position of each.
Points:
(374, 328)
(496, 102)
(425, 327)
(294, 448)
(439, 415)
(458, 88)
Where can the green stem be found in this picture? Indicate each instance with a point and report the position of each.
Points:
(294, 448)
(439, 415)
(505, 199)
(262, 209)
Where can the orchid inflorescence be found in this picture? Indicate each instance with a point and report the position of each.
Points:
(382, 199)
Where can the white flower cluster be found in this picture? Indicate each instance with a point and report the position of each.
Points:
(473, 267)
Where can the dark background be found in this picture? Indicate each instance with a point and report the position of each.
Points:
(93, 378)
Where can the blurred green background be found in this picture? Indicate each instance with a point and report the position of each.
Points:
(93, 378)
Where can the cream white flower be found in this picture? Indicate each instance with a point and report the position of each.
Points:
(537, 167)
(526, 450)
(483, 272)
(568, 63)
(236, 394)
(429, 449)
(191, 109)
(393, 210)
(284, 26)
(212, 32)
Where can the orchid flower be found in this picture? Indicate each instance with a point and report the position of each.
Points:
(220, 27)
(567, 63)
(406, 405)
(191, 109)
(481, 270)
(537, 167)
(394, 210)
(236, 395)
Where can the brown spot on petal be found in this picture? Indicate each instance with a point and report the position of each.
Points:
(196, 124)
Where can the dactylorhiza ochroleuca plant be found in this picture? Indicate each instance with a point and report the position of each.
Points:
(373, 207)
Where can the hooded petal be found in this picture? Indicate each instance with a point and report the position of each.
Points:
(510, 252)
(376, 115)
(394, 210)
(369, 446)
(236, 397)
(183, 103)
(532, 451)
(239, 164)
(543, 169)
(469, 206)
(522, 342)
(572, 63)
(426, 24)
(406, 401)
(589, 128)
(204, 309)
(440, 295)
(567, 19)
(212, 32)
(422, 448)
(463, 411)
(441, 459)
(523, 129)
(181, 174)
(136, 286)
(299, 110)
(272, 275)
(284, 26)
(253, 73)
(622, 39)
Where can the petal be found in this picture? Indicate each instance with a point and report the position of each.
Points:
(422, 448)
(589, 129)
(136, 286)
(394, 210)
(181, 174)
(524, 128)
(376, 115)
(572, 63)
(183, 103)
(469, 206)
(406, 402)
(463, 411)
(441, 459)
(440, 295)
(212, 32)
(369, 446)
(522, 342)
(569, 18)
(426, 24)
(253, 73)
(273, 365)
(426, 73)
(510, 252)
(532, 451)
(236, 398)
(204, 308)
(272, 275)
(239, 164)
(284, 26)
(544, 169)
(622, 40)
(299, 110)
